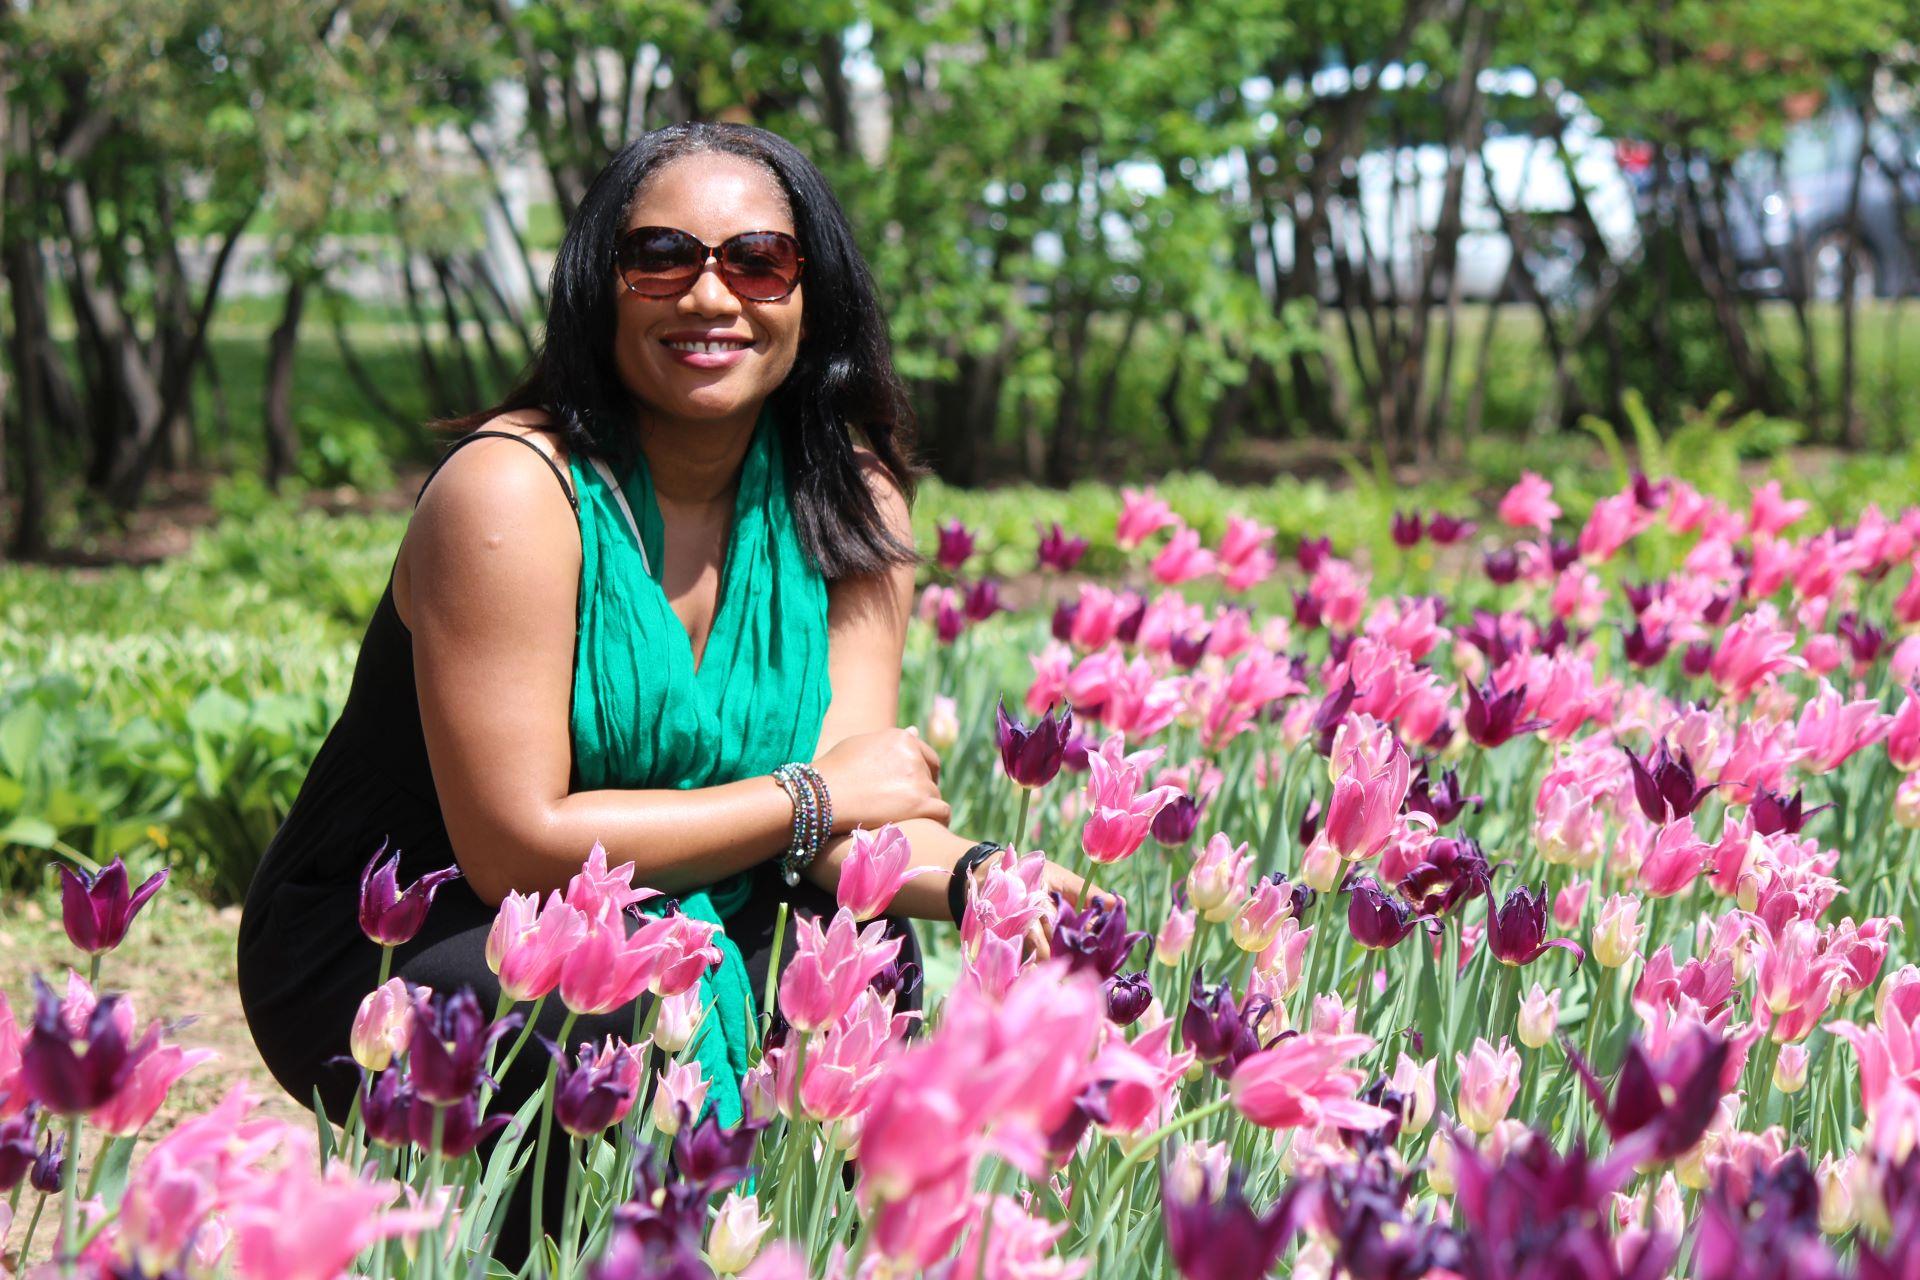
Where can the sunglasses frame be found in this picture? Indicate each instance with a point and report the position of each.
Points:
(712, 253)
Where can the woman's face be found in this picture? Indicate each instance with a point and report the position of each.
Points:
(710, 196)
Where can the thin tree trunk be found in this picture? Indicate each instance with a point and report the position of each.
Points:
(283, 439)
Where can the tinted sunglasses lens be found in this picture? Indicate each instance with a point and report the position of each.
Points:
(762, 266)
(659, 261)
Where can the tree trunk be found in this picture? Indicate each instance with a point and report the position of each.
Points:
(283, 439)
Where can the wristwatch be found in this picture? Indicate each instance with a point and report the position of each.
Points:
(963, 871)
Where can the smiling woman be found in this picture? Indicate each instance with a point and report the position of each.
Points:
(687, 649)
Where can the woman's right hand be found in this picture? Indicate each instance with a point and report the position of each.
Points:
(889, 775)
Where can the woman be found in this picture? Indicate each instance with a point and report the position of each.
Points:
(677, 556)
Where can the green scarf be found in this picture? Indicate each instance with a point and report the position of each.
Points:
(644, 717)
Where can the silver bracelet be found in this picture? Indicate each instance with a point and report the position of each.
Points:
(812, 817)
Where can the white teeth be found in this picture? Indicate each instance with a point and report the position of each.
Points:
(707, 348)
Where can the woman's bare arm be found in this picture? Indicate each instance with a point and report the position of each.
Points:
(492, 572)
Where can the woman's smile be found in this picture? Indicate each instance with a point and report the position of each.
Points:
(703, 351)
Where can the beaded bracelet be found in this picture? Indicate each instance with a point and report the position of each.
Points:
(812, 817)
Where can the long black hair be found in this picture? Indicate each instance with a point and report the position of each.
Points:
(842, 378)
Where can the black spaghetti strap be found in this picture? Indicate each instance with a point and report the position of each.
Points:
(552, 466)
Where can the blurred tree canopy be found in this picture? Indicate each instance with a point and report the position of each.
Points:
(1080, 213)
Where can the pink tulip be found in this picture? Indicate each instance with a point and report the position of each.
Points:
(528, 944)
(1217, 882)
(606, 970)
(1529, 504)
(1675, 859)
(1009, 896)
(684, 949)
(1365, 808)
(1182, 560)
(1771, 512)
(1489, 1079)
(1143, 513)
(297, 1225)
(1752, 649)
(1614, 522)
(1571, 903)
(1832, 729)
(847, 1058)
(1018, 1246)
(1258, 922)
(13, 1095)
(1144, 1073)
(1246, 556)
(600, 894)
(1300, 1082)
(875, 868)
(1171, 942)
(1120, 814)
(1903, 734)
(140, 1098)
(830, 967)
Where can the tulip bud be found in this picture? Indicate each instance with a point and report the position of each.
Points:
(737, 1229)
(680, 1085)
(1489, 1078)
(1834, 1177)
(1616, 934)
(1790, 1068)
(383, 1027)
(96, 909)
(943, 725)
(679, 1019)
(1322, 867)
(1441, 1162)
(1174, 936)
(1259, 920)
(1539, 1016)
(1414, 1082)
(1906, 803)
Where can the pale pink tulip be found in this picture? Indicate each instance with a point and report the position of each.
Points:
(383, 1026)
(680, 1085)
(1489, 1079)
(1529, 504)
(1832, 729)
(1217, 882)
(600, 894)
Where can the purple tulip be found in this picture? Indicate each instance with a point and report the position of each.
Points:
(1539, 1213)
(461, 1128)
(948, 622)
(1091, 1106)
(1059, 551)
(1376, 920)
(1662, 1107)
(1218, 1236)
(1719, 608)
(1641, 594)
(1330, 714)
(1517, 929)
(713, 1157)
(1176, 822)
(1186, 649)
(664, 1213)
(1554, 637)
(1031, 757)
(49, 1169)
(1309, 553)
(388, 915)
(16, 1149)
(634, 1257)
(1494, 718)
(1501, 566)
(1644, 650)
(1095, 939)
(1064, 615)
(1697, 658)
(592, 1091)
(1665, 784)
(1561, 553)
(1219, 1032)
(1650, 495)
(1452, 870)
(1443, 803)
(982, 600)
(1406, 529)
(1493, 634)
(1864, 640)
(1337, 647)
(1769, 1227)
(386, 1106)
(1447, 530)
(1128, 629)
(1128, 995)
(68, 1074)
(97, 909)
(447, 1056)
(956, 546)
(1309, 823)
(1074, 752)
(1773, 813)
(1306, 611)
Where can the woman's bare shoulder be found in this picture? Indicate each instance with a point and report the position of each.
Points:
(492, 494)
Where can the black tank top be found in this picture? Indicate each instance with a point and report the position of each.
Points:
(370, 782)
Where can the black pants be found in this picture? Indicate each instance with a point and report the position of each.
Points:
(304, 967)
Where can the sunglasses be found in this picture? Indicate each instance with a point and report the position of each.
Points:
(663, 262)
